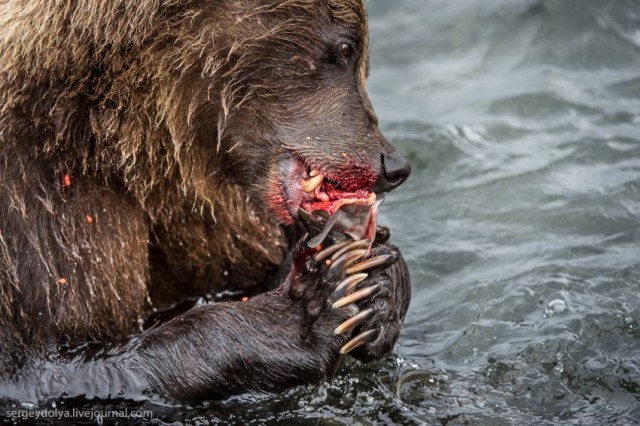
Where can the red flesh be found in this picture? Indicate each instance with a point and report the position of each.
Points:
(336, 199)
(286, 196)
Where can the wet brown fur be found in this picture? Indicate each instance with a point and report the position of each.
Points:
(152, 109)
(146, 154)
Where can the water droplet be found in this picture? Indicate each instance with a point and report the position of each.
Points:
(629, 322)
(556, 306)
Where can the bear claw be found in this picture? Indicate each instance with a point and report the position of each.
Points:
(349, 283)
(357, 341)
(360, 244)
(356, 296)
(369, 263)
(353, 321)
(346, 260)
(324, 254)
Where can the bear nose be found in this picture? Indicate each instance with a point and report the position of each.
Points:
(395, 170)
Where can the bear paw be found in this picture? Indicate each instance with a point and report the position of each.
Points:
(376, 289)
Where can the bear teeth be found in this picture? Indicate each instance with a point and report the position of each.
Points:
(310, 185)
(322, 196)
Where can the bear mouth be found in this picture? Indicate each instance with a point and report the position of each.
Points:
(324, 193)
(302, 185)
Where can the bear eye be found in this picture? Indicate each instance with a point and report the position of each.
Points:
(341, 52)
(345, 50)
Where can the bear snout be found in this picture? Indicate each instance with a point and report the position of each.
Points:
(394, 170)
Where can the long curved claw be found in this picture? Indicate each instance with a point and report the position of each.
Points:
(353, 321)
(345, 260)
(360, 244)
(324, 254)
(348, 283)
(357, 341)
(369, 263)
(356, 296)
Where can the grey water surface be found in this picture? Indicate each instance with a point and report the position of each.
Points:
(520, 222)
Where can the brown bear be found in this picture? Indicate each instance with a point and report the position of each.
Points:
(157, 152)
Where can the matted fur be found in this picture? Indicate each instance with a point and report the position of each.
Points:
(117, 84)
(111, 92)
(140, 153)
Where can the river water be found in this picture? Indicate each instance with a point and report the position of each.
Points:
(520, 222)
